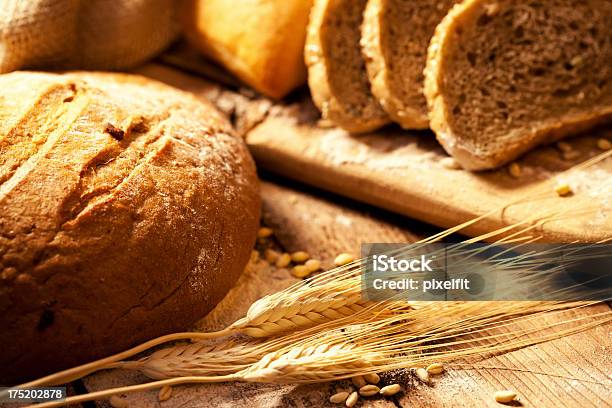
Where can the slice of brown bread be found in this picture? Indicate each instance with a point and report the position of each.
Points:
(395, 38)
(336, 70)
(504, 76)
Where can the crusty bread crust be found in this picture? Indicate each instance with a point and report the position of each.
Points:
(321, 88)
(127, 210)
(378, 68)
(260, 42)
(520, 140)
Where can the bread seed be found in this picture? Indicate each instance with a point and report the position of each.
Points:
(422, 374)
(368, 390)
(165, 393)
(300, 256)
(343, 259)
(604, 144)
(271, 255)
(358, 381)
(352, 399)
(563, 189)
(339, 397)
(372, 378)
(313, 265)
(264, 232)
(283, 261)
(515, 170)
(435, 368)
(390, 390)
(118, 402)
(301, 271)
(505, 396)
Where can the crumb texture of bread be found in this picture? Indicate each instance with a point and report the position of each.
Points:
(261, 42)
(396, 34)
(505, 76)
(336, 68)
(127, 211)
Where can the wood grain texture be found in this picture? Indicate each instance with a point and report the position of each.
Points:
(403, 172)
(305, 221)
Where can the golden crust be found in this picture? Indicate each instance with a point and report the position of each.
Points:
(127, 210)
(260, 42)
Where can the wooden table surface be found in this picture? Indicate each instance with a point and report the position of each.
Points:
(575, 371)
(324, 225)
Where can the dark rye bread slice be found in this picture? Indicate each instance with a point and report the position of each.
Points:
(504, 76)
(395, 37)
(336, 70)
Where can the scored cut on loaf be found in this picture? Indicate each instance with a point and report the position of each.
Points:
(127, 210)
(395, 37)
(504, 76)
(336, 69)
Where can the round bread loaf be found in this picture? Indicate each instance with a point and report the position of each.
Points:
(127, 210)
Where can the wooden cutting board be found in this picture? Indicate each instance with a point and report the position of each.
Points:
(403, 171)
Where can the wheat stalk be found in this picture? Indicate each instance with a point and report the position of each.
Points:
(275, 315)
(361, 349)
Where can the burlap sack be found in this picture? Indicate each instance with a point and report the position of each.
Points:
(88, 34)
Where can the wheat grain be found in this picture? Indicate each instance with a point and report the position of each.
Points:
(563, 189)
(358, 381)
(164, 393)
(301, 271)
(368, 390)
(313, 265)
(300, 256)
(422, 374)
(271, 256)
(352, 399)
(118, 402)
(264, 232)
(343, 259)
(390, 390)
(435, 368)
(339, 397)
(283, 260)
(504, 396)
(372, 378)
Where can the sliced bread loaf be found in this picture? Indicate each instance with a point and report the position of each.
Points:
(504, 76)
(336, 70)
(395, 37)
